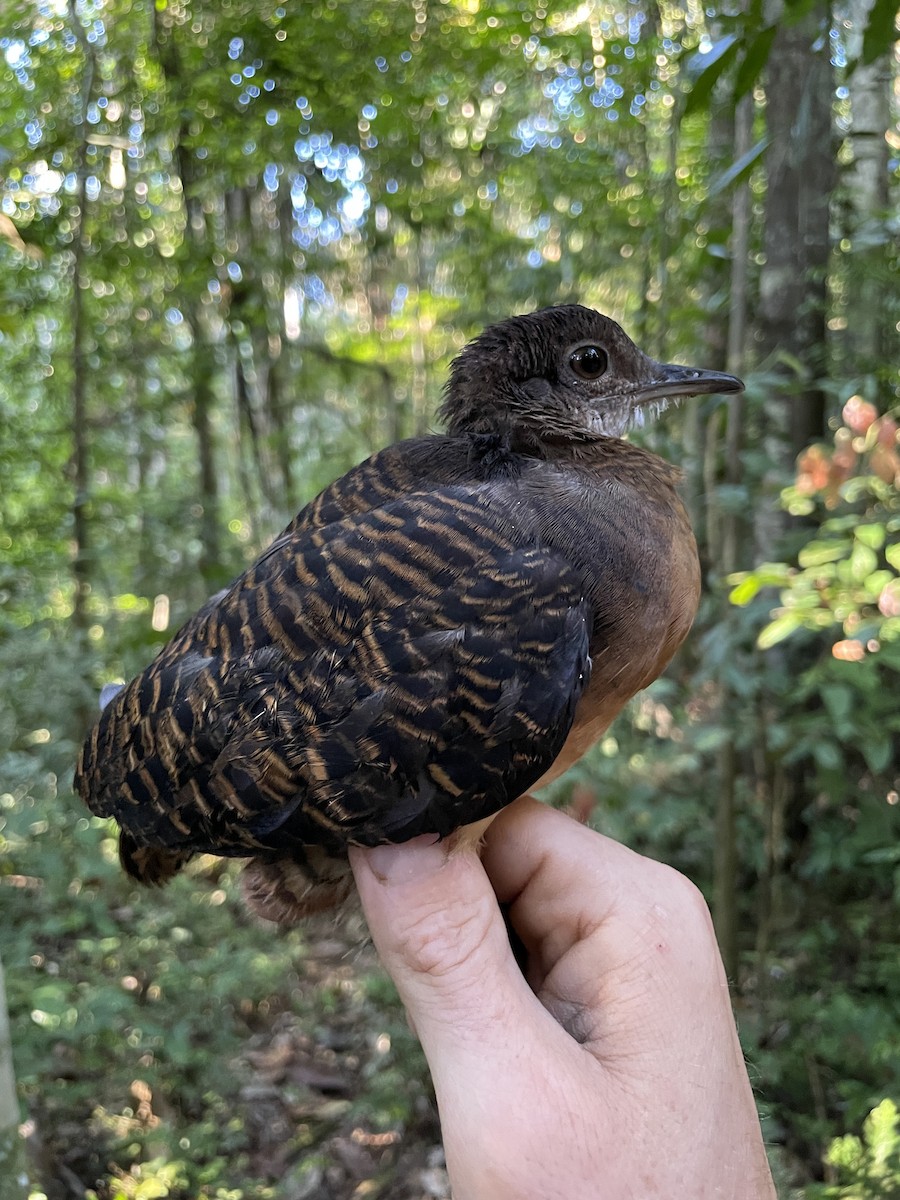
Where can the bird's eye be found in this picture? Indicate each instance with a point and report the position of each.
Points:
(589, 362)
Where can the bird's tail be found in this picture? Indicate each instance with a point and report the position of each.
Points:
(288, 890)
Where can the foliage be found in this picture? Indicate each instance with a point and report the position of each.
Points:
(849, 574)
(870, 1165)
(239, 243)
(138, 1016)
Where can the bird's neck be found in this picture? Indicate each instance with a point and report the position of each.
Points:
(593, 455)
(605, 453)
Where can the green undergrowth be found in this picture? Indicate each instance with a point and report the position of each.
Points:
(166, 1044)
(150, 1026)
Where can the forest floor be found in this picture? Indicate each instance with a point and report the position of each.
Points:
(224, 1059)
(293, 1080)
(313, 1103)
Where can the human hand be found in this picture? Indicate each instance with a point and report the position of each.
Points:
(612, 1069)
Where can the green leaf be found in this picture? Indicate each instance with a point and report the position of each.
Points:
(739, 169)
(882, 1130)
(827, 755)
(754, 60)
(881, 30)
(745, 591)
(711, 739)
(863, 562)
(839, 702)
(700, 62)
(816, 554)
(892, 554)
(883, 854)
(707, 69)
(748, 583)
(877, 582)
(877, 753)
(872, 536)
(776, 631)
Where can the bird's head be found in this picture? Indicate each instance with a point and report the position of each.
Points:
(563, 375)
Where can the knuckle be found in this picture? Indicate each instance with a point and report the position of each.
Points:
(677, 912)
(440, 940)
(685, 897)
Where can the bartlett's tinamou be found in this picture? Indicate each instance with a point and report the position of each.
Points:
(451, 623)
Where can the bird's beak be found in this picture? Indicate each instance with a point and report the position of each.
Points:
(668, 380)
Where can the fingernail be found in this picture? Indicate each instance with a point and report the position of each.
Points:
(412, 860)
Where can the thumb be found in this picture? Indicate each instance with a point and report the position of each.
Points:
(437, 926)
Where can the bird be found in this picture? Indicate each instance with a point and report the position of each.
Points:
(450, 624)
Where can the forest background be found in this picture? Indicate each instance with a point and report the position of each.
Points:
(239, 244)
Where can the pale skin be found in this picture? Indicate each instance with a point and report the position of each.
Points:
(610, 1070)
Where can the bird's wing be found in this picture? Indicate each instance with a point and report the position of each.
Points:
(387, 475)
(403, 670)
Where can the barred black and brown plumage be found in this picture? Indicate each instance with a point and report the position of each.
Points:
(451, 622)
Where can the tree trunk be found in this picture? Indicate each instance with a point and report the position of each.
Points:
(270, 349)
(793, 281)
(13, 1178)
(418, 355)
(725, 860)
(205, 362)
(281, 419)
(247, 451)
(201, 419)
(723, 531)
(791, 333)
(869, 284)
(81, 567)
(147, 574)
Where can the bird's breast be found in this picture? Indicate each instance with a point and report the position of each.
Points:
(628, 533)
